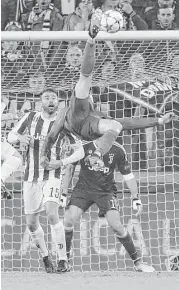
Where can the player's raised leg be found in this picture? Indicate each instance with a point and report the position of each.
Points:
(80, 102)
(113, 218)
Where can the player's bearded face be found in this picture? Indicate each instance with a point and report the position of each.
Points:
(49, 102)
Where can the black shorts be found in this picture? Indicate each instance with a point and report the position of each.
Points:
(83, 199)
(84, 121)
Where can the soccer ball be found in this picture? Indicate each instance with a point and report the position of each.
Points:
(112, 21)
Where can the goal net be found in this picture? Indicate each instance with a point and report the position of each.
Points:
(134, 75)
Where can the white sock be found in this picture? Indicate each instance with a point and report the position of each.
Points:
(9, 166)
(38, 239)
(58, 236)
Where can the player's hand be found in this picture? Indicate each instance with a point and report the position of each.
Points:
(54, 164)
(44, 162)
(137, 206)
(95, 24)
(167, 118)
(25, 139)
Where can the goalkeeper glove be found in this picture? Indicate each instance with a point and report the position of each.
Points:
(94, 25)
(137, 206)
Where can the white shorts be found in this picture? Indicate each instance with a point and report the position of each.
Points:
(36, 194)
(7, 150)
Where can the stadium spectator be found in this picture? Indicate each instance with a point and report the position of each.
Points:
(15, 60)
(165, 19)
(79, 19)
(151, 12)
(37, 84)
(132, 20)
(139, 6)
(74, 57)
(67, 7)
(46, 17)
(8, 12)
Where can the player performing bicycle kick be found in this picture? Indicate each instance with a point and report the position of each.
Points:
(80, 118)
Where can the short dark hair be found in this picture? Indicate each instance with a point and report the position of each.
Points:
(49, 90)
(165, 6)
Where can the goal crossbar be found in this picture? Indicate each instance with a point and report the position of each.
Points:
(83, 35)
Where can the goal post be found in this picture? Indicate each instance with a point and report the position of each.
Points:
(83, 35)
(136, 74)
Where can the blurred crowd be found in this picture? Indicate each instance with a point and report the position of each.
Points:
(75, 14)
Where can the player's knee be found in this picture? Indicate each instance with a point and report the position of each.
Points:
(119, 229)
(53, 219)
(52, 212)
(69, 219)
(114, 222)
(32, 225)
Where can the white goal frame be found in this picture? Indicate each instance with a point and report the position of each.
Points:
(83, 35)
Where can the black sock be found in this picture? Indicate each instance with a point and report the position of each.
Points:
(128, 244)
(68, 237)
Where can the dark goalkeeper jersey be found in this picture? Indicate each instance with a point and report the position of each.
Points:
(103, 179)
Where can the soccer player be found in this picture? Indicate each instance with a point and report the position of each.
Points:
(83, 121)
(45, 189)
(11, 158)
(96, 185)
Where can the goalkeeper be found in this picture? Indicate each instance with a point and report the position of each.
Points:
(96, 185)
(80, 118)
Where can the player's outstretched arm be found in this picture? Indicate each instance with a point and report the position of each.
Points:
(77, 155)
(141, 123)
